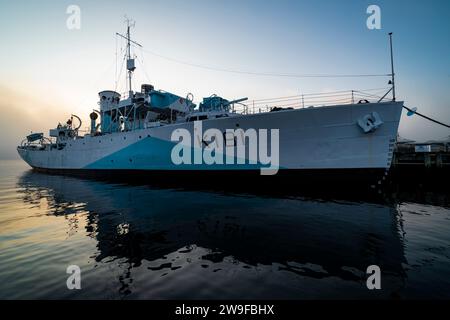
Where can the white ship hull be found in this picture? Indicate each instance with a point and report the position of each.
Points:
(326, 138)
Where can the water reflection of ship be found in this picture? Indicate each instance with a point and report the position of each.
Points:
(139, 223)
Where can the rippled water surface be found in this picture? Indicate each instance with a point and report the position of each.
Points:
(144, 242)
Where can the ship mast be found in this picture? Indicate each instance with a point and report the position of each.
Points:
(392, 68)
(392, 81)
(130, 61)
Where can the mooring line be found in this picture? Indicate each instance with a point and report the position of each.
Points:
(425, 117)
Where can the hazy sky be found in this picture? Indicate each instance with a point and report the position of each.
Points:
(48, 72)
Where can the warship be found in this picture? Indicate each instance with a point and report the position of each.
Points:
(144, 132)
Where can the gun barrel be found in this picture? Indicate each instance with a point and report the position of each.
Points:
(236, 101)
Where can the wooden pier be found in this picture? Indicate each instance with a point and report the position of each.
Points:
(412, 169)
(421, 159)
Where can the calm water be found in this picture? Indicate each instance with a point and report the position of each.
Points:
(148, 243)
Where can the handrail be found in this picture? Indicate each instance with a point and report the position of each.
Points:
(309, 100)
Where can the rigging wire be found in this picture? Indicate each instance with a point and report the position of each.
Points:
(94, 83)
(365, 94)
(313, 95)
(115, 74)
(266, 74)
(141, 63)
(120, 74)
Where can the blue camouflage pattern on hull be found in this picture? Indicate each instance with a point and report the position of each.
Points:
(155, 154)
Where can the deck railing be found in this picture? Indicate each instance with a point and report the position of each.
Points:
(310, 100)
